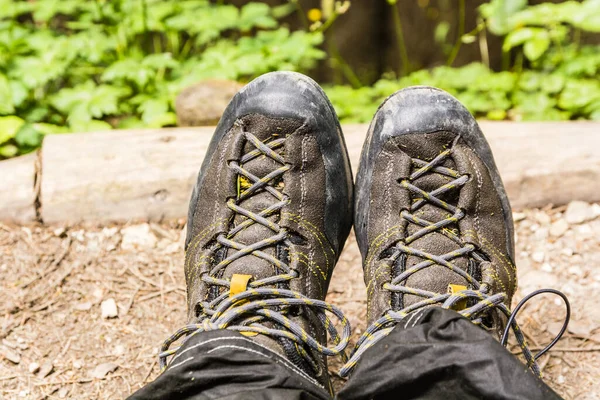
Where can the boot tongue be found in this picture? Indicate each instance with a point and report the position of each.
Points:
(258, 201)
(434, 278)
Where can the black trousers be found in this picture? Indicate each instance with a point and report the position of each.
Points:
(436, 355)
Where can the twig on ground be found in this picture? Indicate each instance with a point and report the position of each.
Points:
(53, 267)
(5, 378)
(131, 299)
(563, 349)
(141, 277)
(157, 293)
(7, 331)
(149, 371)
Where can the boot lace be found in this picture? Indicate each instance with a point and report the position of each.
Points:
(476, 302)
(266, 305)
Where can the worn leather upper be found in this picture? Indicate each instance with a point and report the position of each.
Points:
(317, 189)
(412, 128)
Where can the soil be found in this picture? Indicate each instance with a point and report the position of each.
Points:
(54, 280)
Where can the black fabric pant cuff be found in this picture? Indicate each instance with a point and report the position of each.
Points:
(224, 364)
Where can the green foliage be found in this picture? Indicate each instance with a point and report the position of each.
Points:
(78, 65)
(526, 96)
(557, 81)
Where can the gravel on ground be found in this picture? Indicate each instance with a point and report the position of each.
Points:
(85, 308)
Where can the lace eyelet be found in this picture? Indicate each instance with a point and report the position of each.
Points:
(198, 310)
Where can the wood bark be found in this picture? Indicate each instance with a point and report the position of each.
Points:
(17, 193)
(149, 174)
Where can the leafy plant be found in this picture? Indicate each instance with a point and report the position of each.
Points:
(77, 65)
(553, 76)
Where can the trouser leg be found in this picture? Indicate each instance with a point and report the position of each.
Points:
(227, 365)
(437, 354)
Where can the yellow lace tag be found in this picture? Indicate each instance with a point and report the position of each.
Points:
(453, 289)
(238, 284)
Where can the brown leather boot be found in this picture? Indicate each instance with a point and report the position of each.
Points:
(432, 219)
(268, 218)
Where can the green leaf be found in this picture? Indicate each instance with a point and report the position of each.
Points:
(49, 129)
(536, 46)
(520, 36)
(496, 115)
(28, 136)
(131, 123)
(6, 99)
(155, 113)
(160, 61)
(90, 126)
(87, 101)
(8, 150)
(256, 15)
(577, 94)
(128, 69)
(441, 32)
(9, 126)
(499, 12)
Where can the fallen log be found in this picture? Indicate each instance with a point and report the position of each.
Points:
(148, 174)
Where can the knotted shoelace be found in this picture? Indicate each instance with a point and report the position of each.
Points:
(478, 293)
(250, 310)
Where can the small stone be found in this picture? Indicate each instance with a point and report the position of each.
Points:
(535, 279)
(78, 235)
(34, 367)
(86, 306)
(24, 393)
(8, 343)
(10, 355)
(104, 369)
(559, 228)
(567, 251)
(538, 256)
(77, 364)
(109, 309)
(45, 369)
(172, 248)
(596, 210)
(518, 216)
(541, 234)
(59, 232)
(534, 227)
(119, 350)
(547, 267)
(138, 237)
(109, 232)
(578, 212)
(62, 393)
(585, 231)
(98, 293)
(542, 218)
(560, 380)
(580, 328)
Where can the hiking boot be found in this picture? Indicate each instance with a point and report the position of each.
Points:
(268, 218)
(432, 220)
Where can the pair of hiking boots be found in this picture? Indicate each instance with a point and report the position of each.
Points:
(275, 202)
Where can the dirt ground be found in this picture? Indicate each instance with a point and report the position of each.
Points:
(54, 281)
